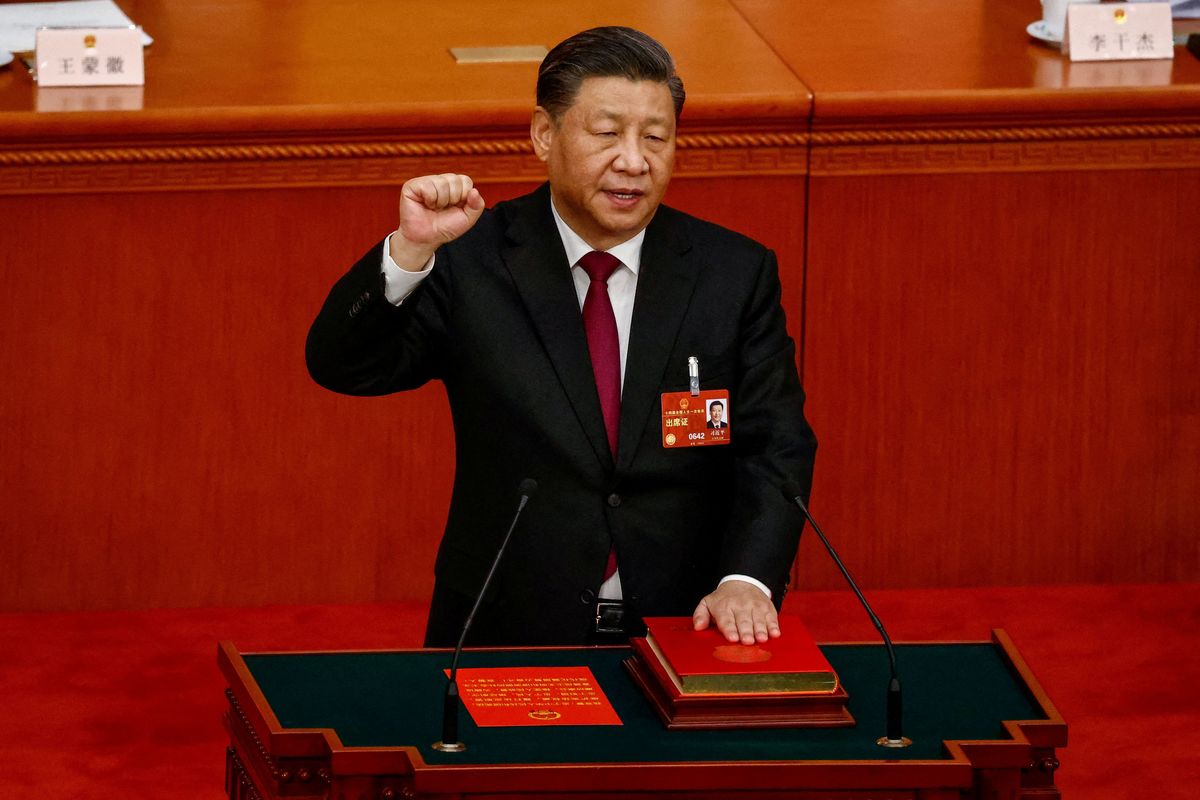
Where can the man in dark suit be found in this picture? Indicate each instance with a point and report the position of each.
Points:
(715, 410)
(571, 314)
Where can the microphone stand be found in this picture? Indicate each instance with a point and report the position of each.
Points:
(895, 698)
(449, 742)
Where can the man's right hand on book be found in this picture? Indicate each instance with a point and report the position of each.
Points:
(740, 611)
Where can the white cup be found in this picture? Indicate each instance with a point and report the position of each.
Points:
(1054, 14)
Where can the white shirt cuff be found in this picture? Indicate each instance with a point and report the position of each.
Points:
(399, 283)
(749, 580)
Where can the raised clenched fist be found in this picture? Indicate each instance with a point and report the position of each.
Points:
(434, 210)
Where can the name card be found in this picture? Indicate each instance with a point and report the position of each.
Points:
(1118, 31)
(89, 57)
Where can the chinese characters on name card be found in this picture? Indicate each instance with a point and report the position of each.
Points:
(89, 57)
(1118, 31)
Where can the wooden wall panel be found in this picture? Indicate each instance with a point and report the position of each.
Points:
(164, 444)
(1002, 368)
(1002, 272)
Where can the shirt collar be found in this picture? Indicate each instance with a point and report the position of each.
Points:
(628, 252)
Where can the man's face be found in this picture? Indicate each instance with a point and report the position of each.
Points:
(715, 411)
(609, 157)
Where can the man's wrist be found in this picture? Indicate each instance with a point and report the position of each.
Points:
(747, 579)
(408, 256)
(399, 283)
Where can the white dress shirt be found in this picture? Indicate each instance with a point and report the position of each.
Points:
(622, 289)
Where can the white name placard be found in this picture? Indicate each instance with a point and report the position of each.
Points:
(1118, 31)
(89, 57)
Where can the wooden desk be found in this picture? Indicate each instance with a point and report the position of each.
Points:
(1002, 308)
(360, 725)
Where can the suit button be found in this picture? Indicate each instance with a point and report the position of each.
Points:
(587, 597)
(614, 500)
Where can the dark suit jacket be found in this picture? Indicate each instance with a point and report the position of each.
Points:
(498, 322)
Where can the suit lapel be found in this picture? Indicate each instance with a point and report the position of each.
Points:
(538, 264)
(664, 290)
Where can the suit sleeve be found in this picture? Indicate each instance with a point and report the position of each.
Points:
(774, 443)
(360, 344)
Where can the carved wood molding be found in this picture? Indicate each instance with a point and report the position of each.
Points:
(1025, 149)
(1039, 133)
(282, 173)
(242, 726)
(355, 150)
(238, 784)
(264, 152)
(121, 169)
(1008, 156)
(521, 146)
(720, 154)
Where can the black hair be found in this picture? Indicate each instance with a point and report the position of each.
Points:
(715, 403)
(609, 52)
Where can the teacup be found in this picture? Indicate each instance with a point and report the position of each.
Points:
(1054, 14)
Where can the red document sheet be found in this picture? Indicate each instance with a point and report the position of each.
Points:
(518, 696)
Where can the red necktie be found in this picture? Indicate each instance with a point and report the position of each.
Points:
(600, 325)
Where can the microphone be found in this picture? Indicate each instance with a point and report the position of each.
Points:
(895, 699)
(449, 742)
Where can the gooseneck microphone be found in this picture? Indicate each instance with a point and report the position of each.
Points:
(895, 698)
(449, 742)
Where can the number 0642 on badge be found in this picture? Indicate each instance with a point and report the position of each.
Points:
(696, 420)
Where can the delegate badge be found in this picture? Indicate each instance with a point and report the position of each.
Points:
(695, 420)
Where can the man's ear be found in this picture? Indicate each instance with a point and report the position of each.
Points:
(541, 132)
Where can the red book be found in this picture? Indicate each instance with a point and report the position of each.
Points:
(703, 662)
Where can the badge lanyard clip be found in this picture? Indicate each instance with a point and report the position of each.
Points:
(694, 375)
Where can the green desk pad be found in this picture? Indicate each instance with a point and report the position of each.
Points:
(390, 699)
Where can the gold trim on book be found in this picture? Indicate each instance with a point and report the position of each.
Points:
(763, 683)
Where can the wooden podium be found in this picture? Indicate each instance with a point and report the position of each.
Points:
(360, 724)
